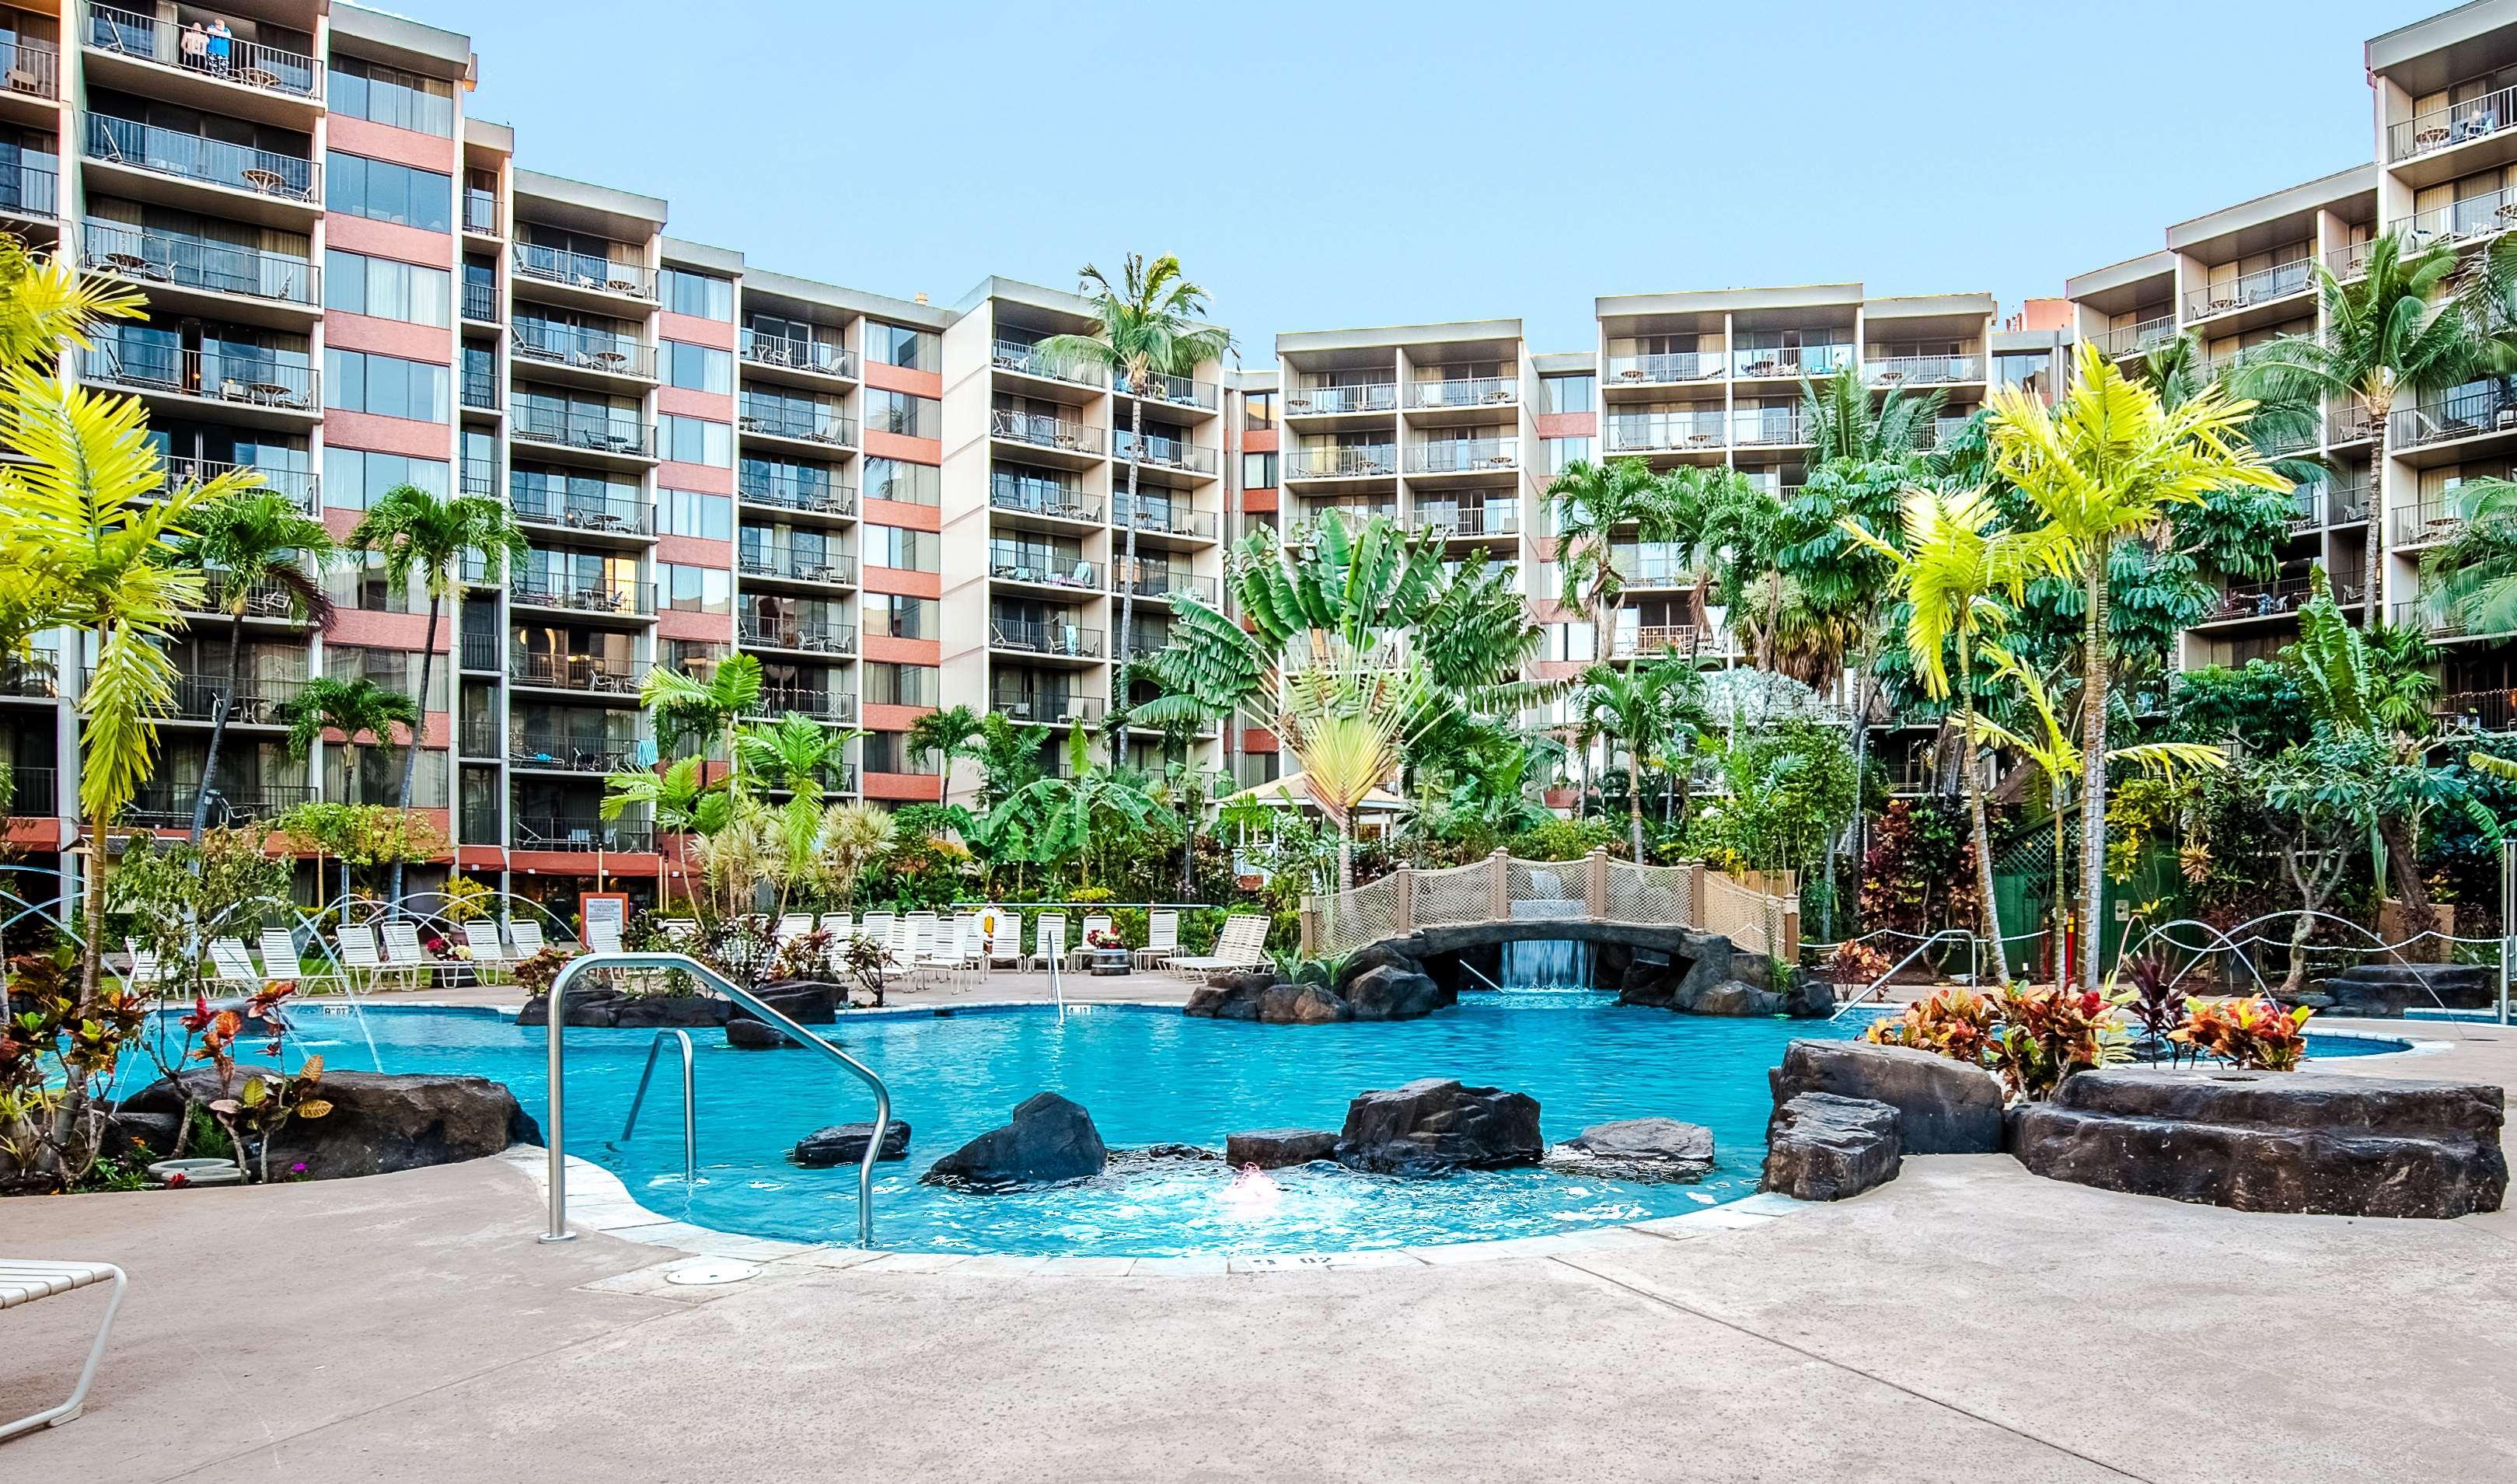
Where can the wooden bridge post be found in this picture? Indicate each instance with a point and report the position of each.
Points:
(1696, 913)
(1310, 920)
(1405, 891)
(1595, 884)
(1498, 886)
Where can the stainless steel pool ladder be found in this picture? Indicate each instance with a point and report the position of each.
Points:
(554, 1126)
(690, 1103)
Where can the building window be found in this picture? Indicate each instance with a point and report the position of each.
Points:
(697, 368)
(698, 295)
(889, 753)
(357, 284)
(697, 589)
(899, 685)
(891, 616)
(897, 547)
(2031, 371)
(1567, 394)
(383, 192)
(383, 95)
(898, 345)
(386, 386)
(695, 658)
(1560, 453)
(695, 441)
(1258, 471)
(691, 513)
(904, 414)
(894, 479)
(353, 478)
(1257, 410)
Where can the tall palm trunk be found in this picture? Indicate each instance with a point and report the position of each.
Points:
(2381, 403)
(2058, 908)
(1989, 906)
(2093, 769)
(1127, 594)
(1634, 798)
(1853, 827)
(410, 754)
(219, 710)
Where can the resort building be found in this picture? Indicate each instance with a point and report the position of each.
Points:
(899, 505)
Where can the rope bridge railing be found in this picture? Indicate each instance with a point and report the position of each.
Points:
(1596, 888)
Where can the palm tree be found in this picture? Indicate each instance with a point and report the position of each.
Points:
(706, 708)
(1592, 502)
(793, 753)
(1636, 709)
(1845, 427)
(1957, 561)
(351, 707)
(2396, 329)
(1062, 815)
(44, 302)
(261, 541)
(1150, 327)
(423, 537)
(678, 801)
(949, 734)
(2107, 463)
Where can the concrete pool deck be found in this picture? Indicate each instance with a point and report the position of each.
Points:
(1967, 1321)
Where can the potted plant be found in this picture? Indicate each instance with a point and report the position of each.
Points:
(1110, 952)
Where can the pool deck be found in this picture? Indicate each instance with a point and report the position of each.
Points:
(1968, 1321)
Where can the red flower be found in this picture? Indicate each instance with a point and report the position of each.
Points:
(199, 1019)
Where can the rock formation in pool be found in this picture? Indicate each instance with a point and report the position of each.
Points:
(379, 1122)
(1436, 1126)
(845, 1144)
(1049, 1140)
(1278, 1148)
(1645, 1150)
(1822, 1147)
(807, 1004)
(1944, 1106)
(1372, 987)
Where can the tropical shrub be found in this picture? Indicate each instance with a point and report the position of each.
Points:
(2049, 1033)
(1958, 1024)
(1917, 877)
(1564, 839)
(1856, 964)
(539, 971)
(2253, 1033)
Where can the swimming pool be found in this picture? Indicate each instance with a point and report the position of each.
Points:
(1148, 1075)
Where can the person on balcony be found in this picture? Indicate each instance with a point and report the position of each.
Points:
(219, 36)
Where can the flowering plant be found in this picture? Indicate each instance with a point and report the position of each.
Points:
(1102, 937)
(2255, 1034)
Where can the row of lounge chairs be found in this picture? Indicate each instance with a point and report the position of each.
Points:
(370, 954)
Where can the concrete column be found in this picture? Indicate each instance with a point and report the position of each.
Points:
(1595, 883)
(1498, 886)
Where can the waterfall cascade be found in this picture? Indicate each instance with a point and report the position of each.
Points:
(1549, 964)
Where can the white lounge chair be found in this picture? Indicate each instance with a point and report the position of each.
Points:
(25, 1279)
(1161, 939)
(1004, 946)
(1081, 957)
(1243, 944)
(878, 927)
(793, 926)
(900, 955)
(839, 929)
(231, 967)
(487, 949)
(359, 958)
(527, 935)
(403, 954)
(145, 972)
(961, 949)
(279, 962)
(681, 932)
(1047, 941)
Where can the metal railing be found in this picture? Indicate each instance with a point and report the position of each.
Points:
(2458, 123)
(1043, 567)
(600, 433)
(30, 191)
(547, 591)
(2477, 710)
(2349, 423)
(153, 257)
(2262, 286)
(1162, 582)
(32, 677)
(556, 1129)
(812, 636)
(478, 736)
(1170, 518)
(794, 353)
(302, 486)
(1659, 639)
(478, 651)
(1043, 430)
(1179, 390)
(247, 63)
(1049, 710)
(1940, 431)
(1791, 361)
(1043, 637)
(552, 753)
(1922, 370)
(1162, 453)
(582, 269)
(1501, 518)
(2437, 623)
(481, 303)
(574, 672)
(690, 1103)
(1651, 567)
(2260, 600)
(577, 836)
(1668, 367)
(2347, 503)
(795, 489)
(34, 793)
(480, 476)
(1026, 358)
(778, 417)
(586, 350)
(31, 68)
(2136, 338)
(1464, 456)
(1464, 392)
(2466, 414)
(2349, 261)
(1656, 432)
(479, 389)
(819, 702)
(2428, 520)
(165, 806)
(149, 367)
(480, 212)
(543, 505)
(1767, 427)
(1012, 492)
(797, 563)
(210, 162)
(2477, 216)
(1328, 402)
(1362, 461)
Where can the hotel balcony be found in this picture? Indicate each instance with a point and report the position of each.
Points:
(791, 353)
(603, 599)
(1922, 370)
(537, 504)
(568, 348)
(30, 79)
(1668, 368)
(578, 674)
(2428, 523)
(2465, 221)
(144, 53)
(303, 487)
(1939, 431)
(1046, 709)
(551, 752)
(1667, 432)
(1790, 361)
(771, 417)
(1017, 496)
(1054, 638)
(1464, 456)
(2442, 130)
(2248, 601)
(1340, 402)
(256, 704)
(790, 564)
(617, 438)
(264, 600)
(260, 393)
(1072, 441)
(223, 281)
(2279, 283)
(209, 175)
(164, 806)
(819, 702)
(796, 635)
(582, 837)
(1359, 462)
(1494, 518)
(1172, 391)
(1041, 566)
(1024, 359)
(1188, 463)
(34, 793)
(2349, 423)
(2482, 413)
(1163, 518)
(1769, 427)
(2439, 622)
(30, 193)
(1163, 583)
(1651, 567)
(2348, 260)
(2136, 339)
(2471, 710)
(33, 676)
(1487, 392)
(587, 279)
(1685, 639)
(786, 489)
(479, 390)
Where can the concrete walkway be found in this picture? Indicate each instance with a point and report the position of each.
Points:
(1967, 1322)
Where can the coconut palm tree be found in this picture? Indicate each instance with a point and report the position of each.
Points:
(949, 734)
(708, 708)
(423, 537)
(679, 801)
(353, 707)
(1638, 710)
(2106, 461)
(1592, 502)
(1151, 327)
(258, 542)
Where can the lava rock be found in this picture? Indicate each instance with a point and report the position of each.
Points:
(2316, 1142)
(1048, 1141)
(1812, 997)
(1435, 1126)
(142, 1135)
(1301, 1005)
(1278, 1148)
(1730, 997)
(806, 1001)
(1947, 1107)
(379, 1122)
(845, 1144)
(1822, 1147)
(747, 1034)
(1648, 1150)
(2386, 989)
(1391, 993)
(606, 1008)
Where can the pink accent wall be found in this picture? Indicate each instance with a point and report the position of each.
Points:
(888, 718)
(909, 584)
(384, 141)
(390, 631)
(1257, 501)
(388, 435)
(693, 551)
(906, 516)
(703, 628)
(387, 337)
(893, 651)
(682, 402)
(563, 863)
(1568, 424)
(389, 240)
(914, 788)
(706, 479)
(916, 451)
(691, 330)
(894, 378)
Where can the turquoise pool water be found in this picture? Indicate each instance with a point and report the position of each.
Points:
(1148, 1075)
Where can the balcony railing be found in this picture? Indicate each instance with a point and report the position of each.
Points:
(481, 389)
(1327, 402)
(32, 68)
(1464, 456)
(2455, 124)
(583, 269)
(33, 677)
(539, 423)
(1791, 361)
(794, 353)
(1668, 367)
(34, 793)
(1363, 462)
(1922, 370)
(300, 485)
(478, 651)
(2137, 338)
(30, 190)
(582, 837)
(1354, 514)
(2473, 711)
(1941, 430)
(480, 476)
(2262, 286)
(543, 505)
(798, 564)
(1027, 359)
(2261, 600)
(149, 367)
(1179, 390)
(1047, 708)
(819, 702)
(2349, 423)
(812, 636)
(1499, 519)
(2347, 503)
(214, 162)
(1467, 392)
(1043, 430)
(585, 350)
(164, 806)
(2441, 622)
(1043, 637)
(151, 257)
(248, 64)
(257, 702)
(1163, 516)
(481, 303)
(547, 590)
(784, 419)
(1161, 582)
(1768, 427)
(589, 673)
(1661, 431)
(481, 212)
(2486, 408)
(2474, 217)
(1043, 568)
(1007, 491)
(789, 489)
(551, 752)
(1659, 639)
(2428, 522)
(1154, 450)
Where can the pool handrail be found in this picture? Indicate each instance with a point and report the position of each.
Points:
(554, 1127)
(690, 1102)
(1919, 949)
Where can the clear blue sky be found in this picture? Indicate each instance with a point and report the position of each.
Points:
(1324, 166)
